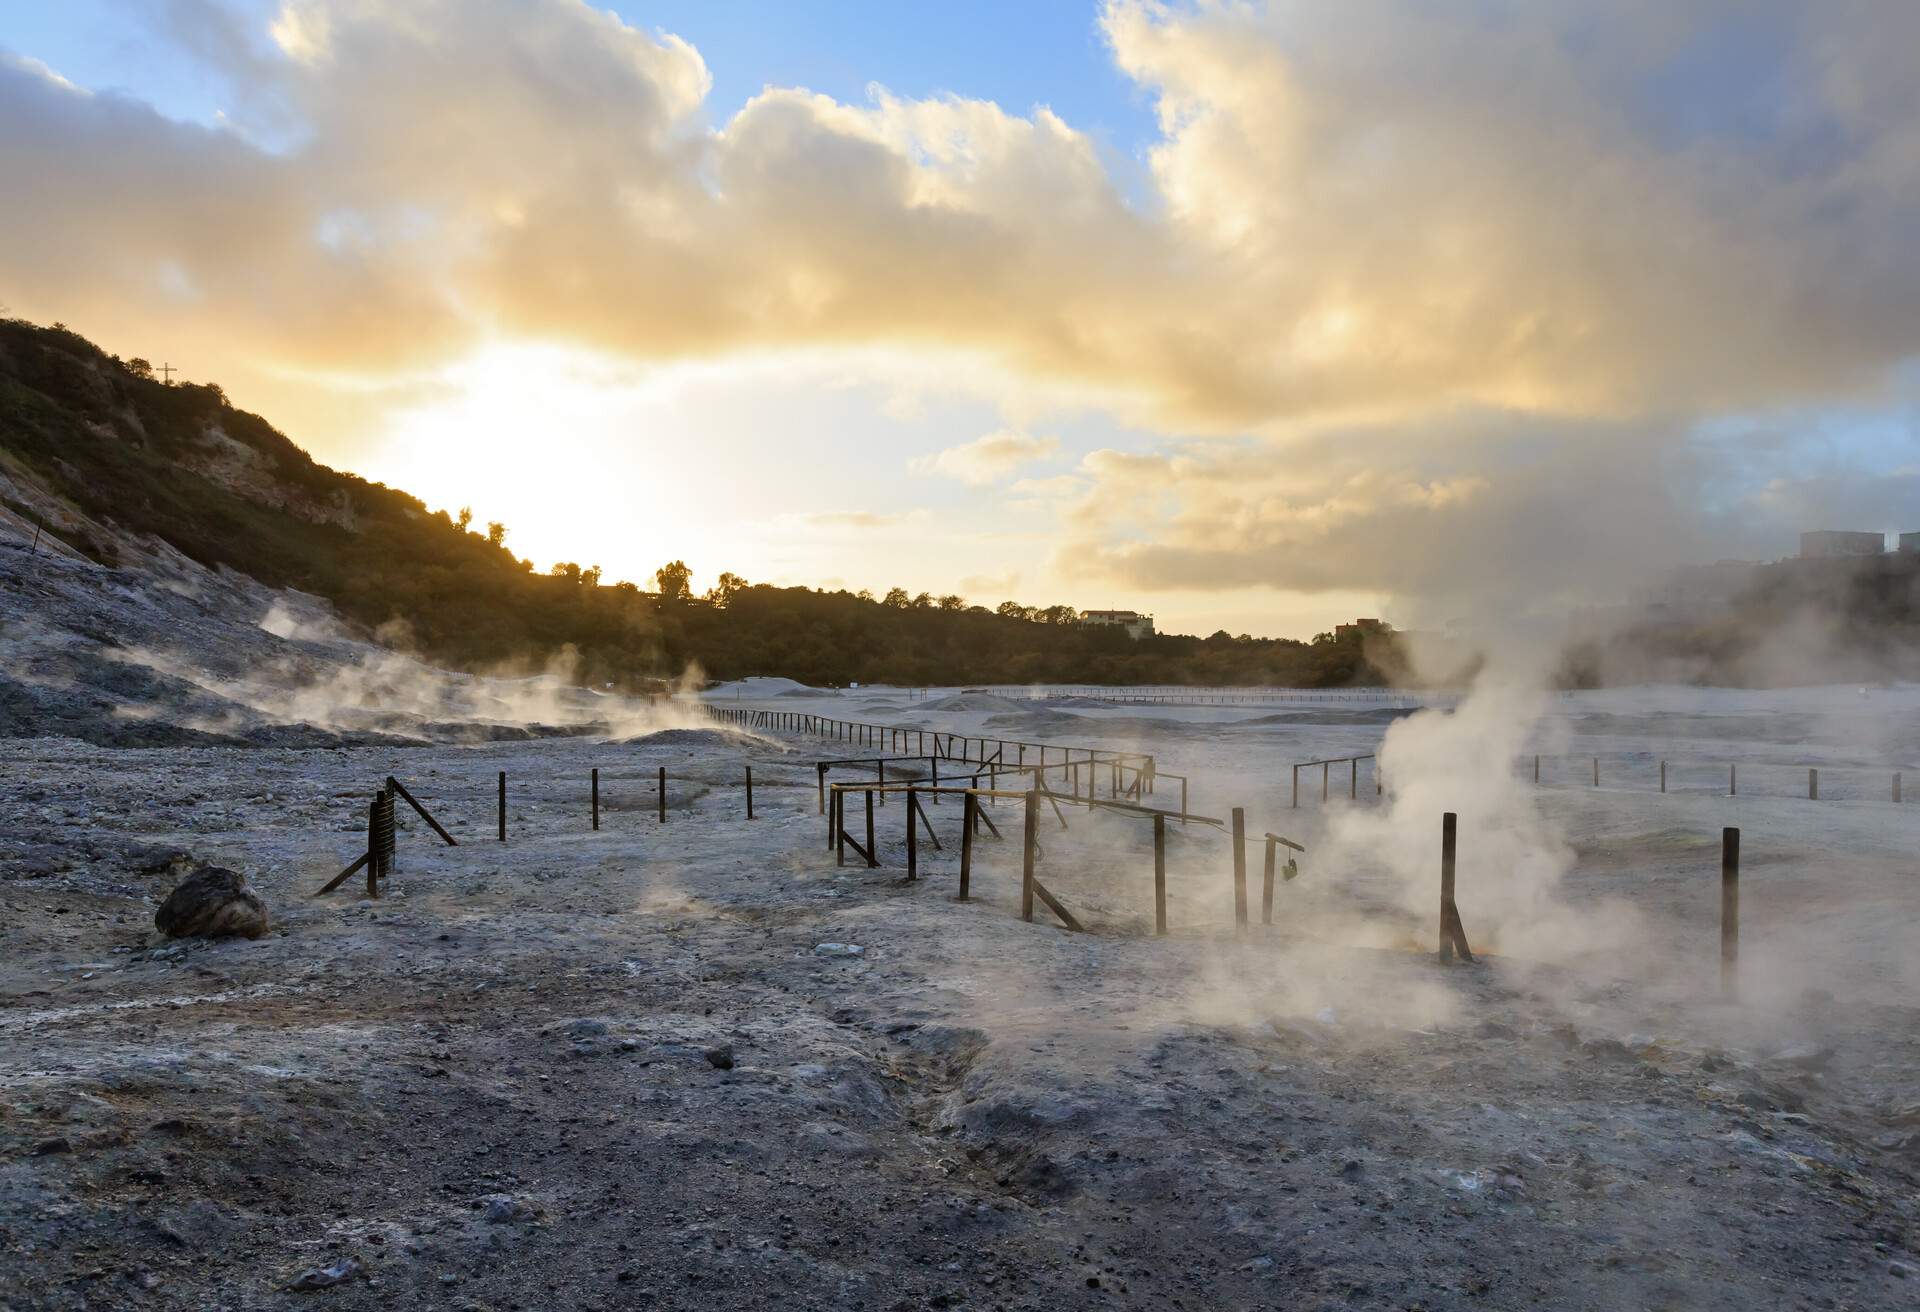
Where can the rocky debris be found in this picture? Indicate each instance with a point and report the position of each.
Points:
(213, 902)
(505, 1209)
(325, 1277)
(720, 1056)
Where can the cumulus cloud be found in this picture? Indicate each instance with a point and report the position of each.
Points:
(1360, 209)
(1584, 223)
(987, 459)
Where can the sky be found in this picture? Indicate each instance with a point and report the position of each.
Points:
(1253, 316)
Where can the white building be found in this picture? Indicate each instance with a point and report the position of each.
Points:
(1137, 625)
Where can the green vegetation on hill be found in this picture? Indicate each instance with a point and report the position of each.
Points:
(140, 457)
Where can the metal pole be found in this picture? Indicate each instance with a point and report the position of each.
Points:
(1729, 911)
(1296, 788)
(1240, 867)
(1663, 776)
(749, 792)
(1536, 767)
(663, 794)
(1596, 772)
(1324, 768)
(1159, 874)
(1353, 779)
(503, 806)
(1733, 781)
(1266, 885)
(1896, 785)
(596, 797)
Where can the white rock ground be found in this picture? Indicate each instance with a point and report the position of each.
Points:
(492, 1088)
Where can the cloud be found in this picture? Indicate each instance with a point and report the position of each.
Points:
(1448, 286)
(862, 519)
(1376, 210)
(987, 459)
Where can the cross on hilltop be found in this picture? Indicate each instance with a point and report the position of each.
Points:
(166, 372)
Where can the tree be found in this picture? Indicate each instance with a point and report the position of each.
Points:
(922, 601)
(1013, 610)
(465, 518)
(140, 368)
(1058, 615)
(722, 592)
(953, 601)
(496, 533)
(672, 579)
(565, 569)
(590, 576)
(897, 598)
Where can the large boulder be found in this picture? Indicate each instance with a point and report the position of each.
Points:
(213, 902)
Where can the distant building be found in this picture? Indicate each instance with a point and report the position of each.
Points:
(1829, 544)
(1910, 542)
(1137, 625)
(1359, 628)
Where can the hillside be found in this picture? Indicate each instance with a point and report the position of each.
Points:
(114, 466)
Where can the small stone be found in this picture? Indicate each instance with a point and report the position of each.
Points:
(502, 1209)
(49, 1147)
(326, 1277)
(720, 1057)
(839, 950)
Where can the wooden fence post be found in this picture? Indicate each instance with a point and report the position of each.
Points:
(1453, 935)
(1813, 785)
(1729, 911)
(1266, 883)
(873, 853)
(1159, 874)
(749, 792)
(1240, 867)
(1536, 767)
(596, 797)
(1663, 776)
(663, 794)
(1029, 849)
(503, 806)
(1896, 785)
(967, 803)
(1733, 781)
(1596, 772)
(913, 837)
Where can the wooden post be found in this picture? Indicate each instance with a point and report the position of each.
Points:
(1733, 781)
(749, 792)
(967, 803)
(839, 810)
(1266, 884)
(1240, 867)
(1183, 801)
(880, 777)
(1813, 785)
(1663, 776)
(663, 794)
(1896, 785)
(1324, 768)
(1729, 911)
(873, 853)
(1159, 874)
(1453, 937)
(1353, 780)
(1029, 849)
(934, 761)
(820, 770)
(1536, 767)
(913, 837)
(503, 806)
(1596, 772)
(596, 797)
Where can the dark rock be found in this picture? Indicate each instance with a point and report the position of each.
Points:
(49, 1147)
(720, 1057)
(213, 902)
